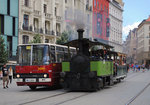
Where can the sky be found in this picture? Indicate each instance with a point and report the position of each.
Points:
(135, 11)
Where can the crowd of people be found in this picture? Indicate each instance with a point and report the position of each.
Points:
(137, 67)
(7, 75)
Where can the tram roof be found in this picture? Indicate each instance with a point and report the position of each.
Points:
(74, 43)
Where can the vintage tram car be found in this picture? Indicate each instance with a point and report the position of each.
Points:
(87, 71)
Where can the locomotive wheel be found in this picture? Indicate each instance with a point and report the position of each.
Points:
(32, 87)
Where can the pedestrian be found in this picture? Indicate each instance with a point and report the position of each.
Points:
(10, 73)
(5, 76)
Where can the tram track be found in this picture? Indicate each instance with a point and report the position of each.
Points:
(62, 102)
(36, 100)
(54, 96)
(82, 95)
(137, 95)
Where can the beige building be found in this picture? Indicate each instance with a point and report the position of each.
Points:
(116, 22)
(130, 47)
(49, 18)
(143, 37)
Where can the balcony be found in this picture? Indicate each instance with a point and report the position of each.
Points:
(26, 8)
(49, 32)
(27, 28)
(58, 18)
(48, 16)
(37, 13)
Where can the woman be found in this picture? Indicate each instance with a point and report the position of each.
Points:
(10, 73)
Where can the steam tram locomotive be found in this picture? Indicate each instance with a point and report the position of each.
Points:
(91, 70)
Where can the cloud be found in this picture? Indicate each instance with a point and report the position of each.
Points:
(127, 29)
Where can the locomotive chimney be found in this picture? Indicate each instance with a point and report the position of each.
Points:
(80, 33)
(80, 37)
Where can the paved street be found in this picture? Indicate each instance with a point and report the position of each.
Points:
(134, 90)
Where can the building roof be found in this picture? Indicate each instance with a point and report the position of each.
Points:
(148, 19)
(145, 21)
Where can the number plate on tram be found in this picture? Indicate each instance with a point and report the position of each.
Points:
(30, 80)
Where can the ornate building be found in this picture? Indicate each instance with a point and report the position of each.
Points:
(116, 21)
(50, 18)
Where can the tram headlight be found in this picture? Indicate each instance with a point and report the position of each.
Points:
(45, 75)
(18, 76)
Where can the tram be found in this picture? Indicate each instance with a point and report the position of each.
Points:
(40, 64)
(91, 70)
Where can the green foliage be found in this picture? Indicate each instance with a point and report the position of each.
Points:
(3, 51)
(36, 39)
(63, 39)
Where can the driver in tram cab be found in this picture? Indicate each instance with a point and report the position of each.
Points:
(46, 59)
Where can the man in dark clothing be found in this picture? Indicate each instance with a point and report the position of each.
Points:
(5, 76)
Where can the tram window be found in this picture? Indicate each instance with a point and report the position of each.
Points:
(40, 55)
(24, 55)
(60, 53)
(52, 54)
(66, 55)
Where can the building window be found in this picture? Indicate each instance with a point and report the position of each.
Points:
(74, 2)
(45, 8)
(66, 14)
(46, 41)
(1, 24)
(55, 11)
(8, 7)
(9, 45)
(14, 25)
(97, 4)
(65, 1)
(94, 3)
(25, 39)
(26, 3)
(26, 20)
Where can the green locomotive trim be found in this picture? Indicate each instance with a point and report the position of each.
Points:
(103, 68)
(65, 66)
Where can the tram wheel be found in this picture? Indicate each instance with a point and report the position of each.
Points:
(32, 87)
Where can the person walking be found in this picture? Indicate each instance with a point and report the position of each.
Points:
(10, 73)
(5, 76)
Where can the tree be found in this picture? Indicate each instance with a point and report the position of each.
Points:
(36, 39)
(3, 51)
(63, 39)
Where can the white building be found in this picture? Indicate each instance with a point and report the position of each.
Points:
(116, 22)
(49, 18)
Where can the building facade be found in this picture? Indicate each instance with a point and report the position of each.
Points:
(116, 22)
(143, 43)
(101, 20)
(49, 18)
(41, 17)
(9, 25)
(130, 47)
